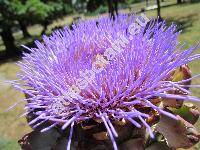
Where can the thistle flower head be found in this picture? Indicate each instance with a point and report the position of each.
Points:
(100, 71)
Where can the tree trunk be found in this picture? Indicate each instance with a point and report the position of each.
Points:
(111, 9)
(158, 8)
(45, 26)
(179, 1)
(116, 7)
(9, 40)
(147, 3)
(23, 27)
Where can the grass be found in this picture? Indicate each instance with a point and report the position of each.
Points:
(11, 127)
(187, 16)
(6, 144)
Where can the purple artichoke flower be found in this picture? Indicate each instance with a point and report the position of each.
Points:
(99, 71)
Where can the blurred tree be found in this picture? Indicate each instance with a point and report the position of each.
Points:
(19, 10)
(6, 23)
(39, 12)
(21, 13)
(24, 12)
(53, 10)
(147, 3)
(42, 11)
(92, 5)
(7, 37)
